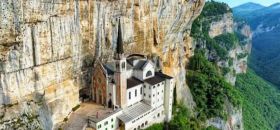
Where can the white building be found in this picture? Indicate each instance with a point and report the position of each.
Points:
(135, 93)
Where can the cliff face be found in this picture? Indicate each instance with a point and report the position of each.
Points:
(223, 25)
(48, 48)
(239, 53)
(236, 62)
(40, 62)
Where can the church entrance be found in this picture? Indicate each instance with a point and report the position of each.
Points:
(99, 97)
(110, 104)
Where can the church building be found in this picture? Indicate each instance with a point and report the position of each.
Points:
(134, 93)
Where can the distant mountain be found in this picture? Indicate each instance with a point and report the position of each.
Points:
(257, 14)
(265, 23)
(246, 8)
(276, 6)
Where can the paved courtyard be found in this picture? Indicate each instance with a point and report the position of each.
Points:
(78, 119)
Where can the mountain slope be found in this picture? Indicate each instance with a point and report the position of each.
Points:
(261, 102)
(265, 59)
(257, 15)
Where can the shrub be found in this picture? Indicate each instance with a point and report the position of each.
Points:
(156, 127)
(242, 55)
(65, 119)
(75, 108)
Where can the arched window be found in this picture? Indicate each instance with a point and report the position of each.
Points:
(149, 73)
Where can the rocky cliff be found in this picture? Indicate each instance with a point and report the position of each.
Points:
(48, 48)
(236, 59)
(238, 54)
(228, 44)
(222, 25)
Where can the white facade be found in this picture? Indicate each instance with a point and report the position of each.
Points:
(147, 119)
(168, 98)
(149, 67)
(149, 96)
(134, 95)
(107, 123)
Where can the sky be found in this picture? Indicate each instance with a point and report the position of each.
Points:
(234, 3)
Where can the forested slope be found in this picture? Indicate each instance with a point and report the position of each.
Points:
(261, 102)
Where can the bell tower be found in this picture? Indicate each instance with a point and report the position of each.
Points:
(120, 74)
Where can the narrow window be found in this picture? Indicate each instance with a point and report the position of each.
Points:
(129, 95)
(141, 90)
(136, 93)
(123, 65)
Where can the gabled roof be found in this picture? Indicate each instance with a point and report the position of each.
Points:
(140, 64)
(163, 75)
(154, 80)
(129, 67)
(147, 62)
(99, 64)
(132, 82)
(159, 77)
(109, 68)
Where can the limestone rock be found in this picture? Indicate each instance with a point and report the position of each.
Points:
(225, 24)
